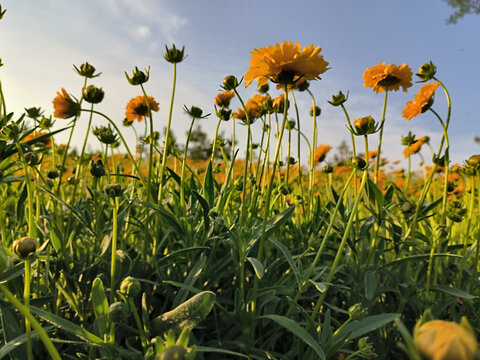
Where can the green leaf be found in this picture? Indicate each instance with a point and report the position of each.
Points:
(205, 207)
(288, 257)
(20, 341)
(11, 330)
(221, 351)
(209, 189)
(100, 306)
(66, 326)
(12, 273)
(257, 266)
(298, 331)
(375, 195)
(370, 285)
(454, 292)
(359, 328)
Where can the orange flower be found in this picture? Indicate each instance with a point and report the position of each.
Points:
(279, 102)
(285, 63)
(223, 99)
(416, 146)
(47, 141)
(421, 101)
(321, 152)
(137, 108)
(63, 105)
(388, 77)
(444, 340)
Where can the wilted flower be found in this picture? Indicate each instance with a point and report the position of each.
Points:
(137, 108)
(390, 77)
(223, 99)
(444, 340)
(64, 106)
(285, 64)
(422, 101)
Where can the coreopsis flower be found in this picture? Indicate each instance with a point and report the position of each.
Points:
(416, 146)
(321, 152)
(137, 108)
(64, 106)
(285, 64)
(223, 99)
(445, 340)
(388, 77)
(422, 101)
(279, 102)
(265, 102)
(40, 135)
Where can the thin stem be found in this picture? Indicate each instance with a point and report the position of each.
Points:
(380, 136)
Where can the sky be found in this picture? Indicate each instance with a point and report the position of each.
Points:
(41, 40)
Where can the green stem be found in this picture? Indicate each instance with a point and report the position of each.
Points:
(114, 250)
(312, 153)
(167, 136)
(380, 136)
(150, 159)
(32, 230)
(25, 311)
(26, 300)
(184, 163)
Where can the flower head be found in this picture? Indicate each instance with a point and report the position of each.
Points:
(86, 70)
(321, 152)
(391, 77)
(285, 64)
(64, 106)
(416, 146)
(279, 103)
(137, 108)
(174, 55)
(223, 99)
(444, 340)
(422, 101)
(137, 76)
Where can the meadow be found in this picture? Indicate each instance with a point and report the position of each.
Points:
(249, 250)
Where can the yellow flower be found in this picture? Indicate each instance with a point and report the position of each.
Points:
(137, 108)
(391, 77)
(444, 340)
(421, 101)
(223, 99)
(255, 107)
(321, 152)
(63, 105)
(285, 63)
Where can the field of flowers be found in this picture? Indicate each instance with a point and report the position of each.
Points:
(255, 251)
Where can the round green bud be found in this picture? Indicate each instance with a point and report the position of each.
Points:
(359, 163)
(175, 352)
(230, 82)
(93, 95)
(52, 174)
(364, 125)
(113, 190)
(24, 246)
(130, 286)
(118, 311)
(315, 111)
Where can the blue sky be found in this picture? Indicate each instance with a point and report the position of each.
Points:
(40, 40)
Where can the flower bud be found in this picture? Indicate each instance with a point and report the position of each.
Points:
(11, 131)
(339, 99)
(263, 88)
(327, 169)
(224, 114)
(113, 190)
(86, 70)
(290, 125)
(105, 135)
(32, 158)
(194, 112)
(24, 246)
(364, 125)
(93, 95)
(175, 352)
(33, 112)
(46, 123)
(230, 82)
(174, 55)
(357, 312)
(427, 71)
(138, 77)
(130, 286)
(118, 311)
(315, 110)
(408, 207)
(474, 161)
(359, 163)
(52, 174)
(97, 169)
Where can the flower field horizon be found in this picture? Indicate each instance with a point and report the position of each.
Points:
(220, 248)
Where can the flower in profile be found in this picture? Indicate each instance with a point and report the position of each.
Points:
(422, 101)
(38, 138)
(223, 99)
(64, 106)
(285, 64)
(445, 340)
(388, 77)
(416, 146)
(321, 153)
(279, 102)
(137, 108)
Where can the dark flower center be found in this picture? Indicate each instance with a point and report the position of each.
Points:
(141, 109)
(389, 80)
